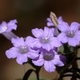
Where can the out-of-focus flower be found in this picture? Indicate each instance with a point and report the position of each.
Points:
(51, 24)
(70, 34)
(49, 59)
(7, 27)
(44, 38)
(21, 50)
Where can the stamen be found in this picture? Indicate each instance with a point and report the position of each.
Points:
(44, 40)
(70, 34)
(23, 49)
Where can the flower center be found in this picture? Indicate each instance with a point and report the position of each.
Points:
(4, 28)
(70, 34)
(44, 40)
(48, 57)
(23, 49)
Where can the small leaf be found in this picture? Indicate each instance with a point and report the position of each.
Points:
(61, 49)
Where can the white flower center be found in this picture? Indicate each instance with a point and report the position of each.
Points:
(44, 40)
(70, 34)
(23, 49)
(48, 56)
(4, 28)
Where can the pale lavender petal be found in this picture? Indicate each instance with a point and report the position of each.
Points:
(57, 61)
(37, 32)
(30, 41)
(3, 27)
(48, 32)
(77, 35)
(73, 42)
(39, 62)
(74, 26)
(17, 42)
(47, 46)
(49, 22)
(55, 42)
(49, 66)
(60, 20)
(12, 25)
(36, 43)
(12, 52)
(63, 38)
(56, 32)
(48, 19)
(21, 59)
(63, 27)
(33, 54)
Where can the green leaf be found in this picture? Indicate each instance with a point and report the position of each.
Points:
(61, 49)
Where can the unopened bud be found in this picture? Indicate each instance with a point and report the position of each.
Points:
(54, 19)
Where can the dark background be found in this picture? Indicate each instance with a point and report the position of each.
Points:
(30, 14)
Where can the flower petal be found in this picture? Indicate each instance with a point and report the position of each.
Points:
(73, 42)
(74, 26)
(12, 25)
(57, 61)
(63, 26)
(21, 59)
(3, 27)
(48, 32)
(37, 32)
(63, 38)
(49, 22)
(55, 42)
(39, 62)
(49, 66)
(60, 20)
(36, 43)
(77, 35)
(17, 42)
(33, 54)
(12, 52)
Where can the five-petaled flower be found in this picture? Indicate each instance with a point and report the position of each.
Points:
(44, 39)
(21, 50)
(69, 34)
(8, 27)
(49, 59)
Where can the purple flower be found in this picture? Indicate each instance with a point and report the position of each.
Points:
(21, 50)
(49, 59)
(70, 34)
(44, 39)
(50, 23)
(7, 27)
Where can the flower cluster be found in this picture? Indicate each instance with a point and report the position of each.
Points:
(43, 47)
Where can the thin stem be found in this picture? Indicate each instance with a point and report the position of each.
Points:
(37, 69)
(37, 72)
(37, 75)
